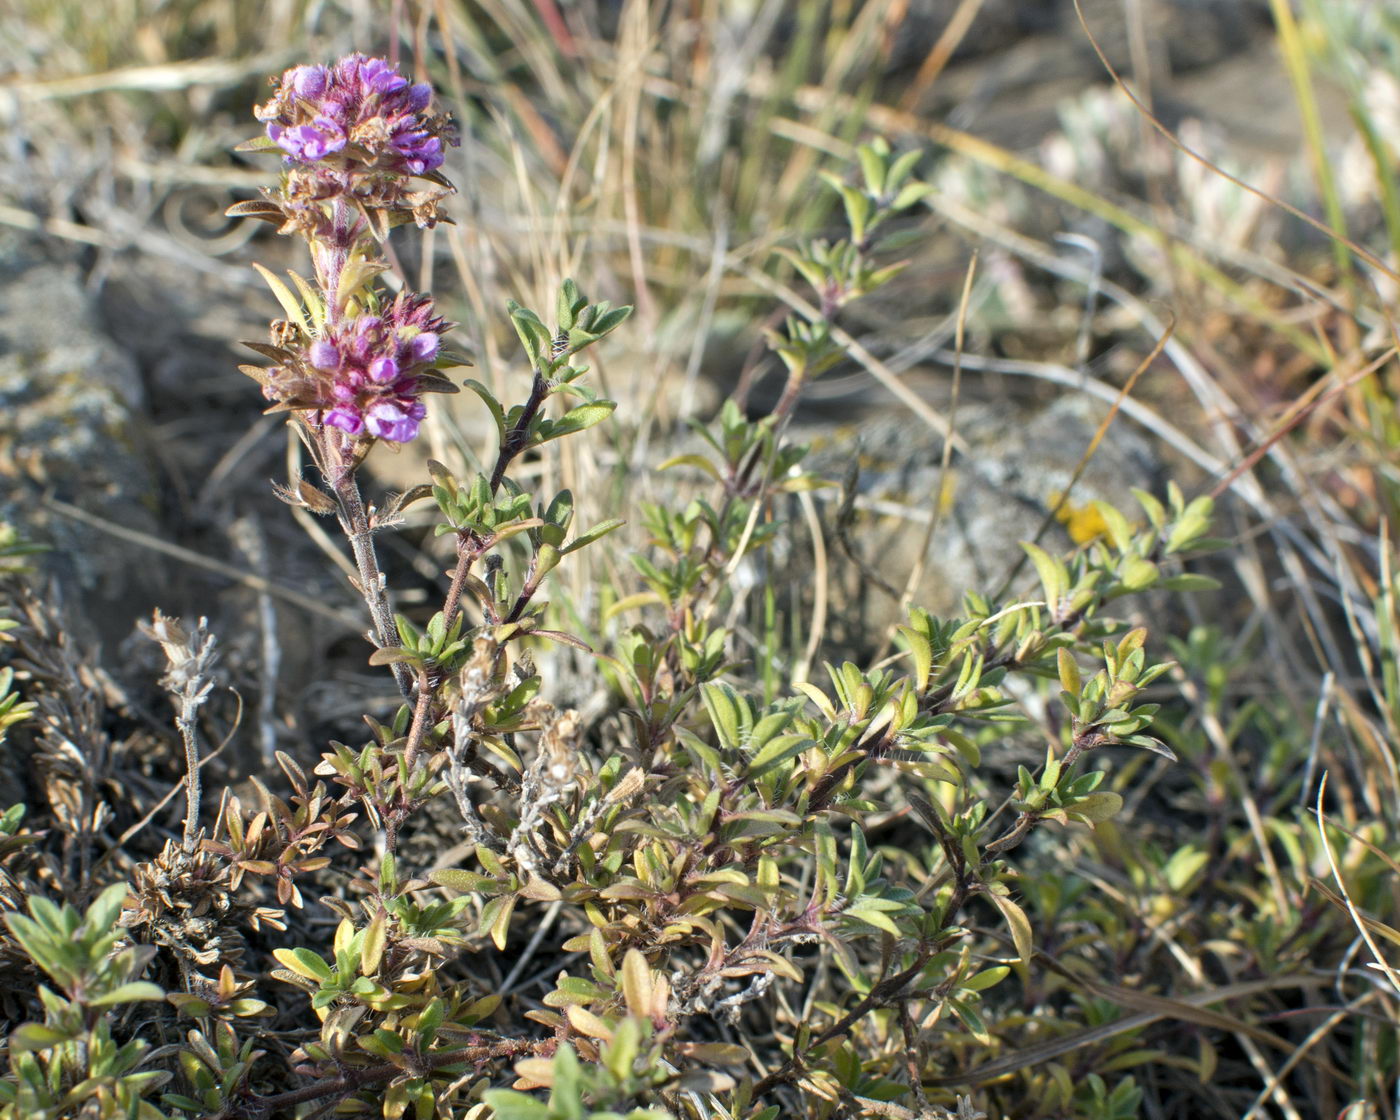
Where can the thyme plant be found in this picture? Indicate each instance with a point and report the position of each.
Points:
(739, 904)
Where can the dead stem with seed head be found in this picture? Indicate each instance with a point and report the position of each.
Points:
(191, 657)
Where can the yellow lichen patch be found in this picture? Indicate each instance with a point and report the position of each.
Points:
(1083, 523)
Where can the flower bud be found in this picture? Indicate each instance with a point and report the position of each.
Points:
(323, 355)
(424, 347)
(308, 81)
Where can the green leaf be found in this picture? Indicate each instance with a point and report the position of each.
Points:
(873, 169)
(128, 993)
(611, 320)
(971, 1020)
(864, 912)
(462, 880)
(699, 462)
(1017, 922)
(1138, 574)
(921, 649)
(1120, 532)
(492, 404)
(1054, 577)
(622, 1052)
(602, 529)
(775, 752)
(902, 168)
(729, 713)
(311, 299)
(394, 655)
(290, 304)
(1148, 743)
(257, 144)
(102, 914)
(571, 301)
(1156, 512)
(372, 948)
(566, 1096)
(500, 921)
(408, 636)
(533, 333)
(910, 194)
(1190, 581)
(578, 419)
(35, 1036)
(1097, 807)
(985, 979)
(304, 963)
(508, 1104)
(858, 207)
(1070, 679)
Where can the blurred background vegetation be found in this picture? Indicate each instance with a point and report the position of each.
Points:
(1224, 941)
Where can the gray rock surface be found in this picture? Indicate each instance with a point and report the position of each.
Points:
(997, 492)
(70, 429)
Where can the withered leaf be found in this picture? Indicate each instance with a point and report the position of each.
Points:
(315, 499)
(276, 353)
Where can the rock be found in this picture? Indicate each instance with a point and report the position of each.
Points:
(997, 493)
(70, 399)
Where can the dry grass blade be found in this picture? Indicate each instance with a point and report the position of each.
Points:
(1362, 925)
(165, 77)
(1193, 1008)
(188, 556)
(916, 573)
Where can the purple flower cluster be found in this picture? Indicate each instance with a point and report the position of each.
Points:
(353, 135)
(360, 111)
(365, 375)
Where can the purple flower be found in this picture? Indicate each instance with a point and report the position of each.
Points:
(384, 369)
(365, 337)
(354, 132)
(346, 420)
(309, 142)
(388, 420)
(363, 114)
(379, 76)
(365, 376)
(420, 151)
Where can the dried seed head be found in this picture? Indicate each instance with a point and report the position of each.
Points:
(191, 656)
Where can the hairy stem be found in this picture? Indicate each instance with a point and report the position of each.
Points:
(189, 733)
(422, 713)
(514, 443)
(466, 557)
(331, 255)
(355, 521)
